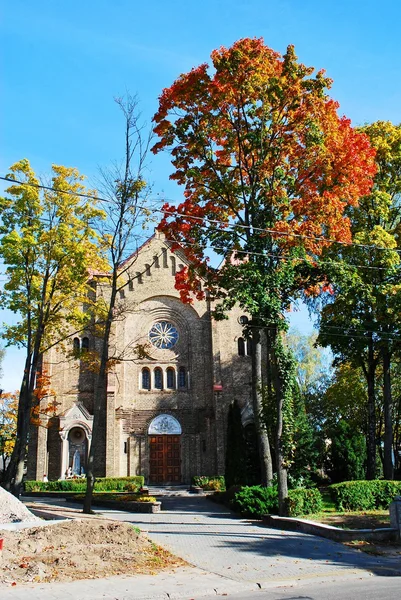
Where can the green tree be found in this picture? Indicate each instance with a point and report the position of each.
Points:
(268, 167)
(346, 453)
(236, 449)
(361, 324)
(47, 245)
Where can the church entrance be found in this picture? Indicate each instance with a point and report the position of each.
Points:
(164, 451)
(165, 461)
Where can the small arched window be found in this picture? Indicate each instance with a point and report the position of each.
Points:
(173, 267)
(241, 347)
(85, 344)
(170, 378)
(76, 345)
(158, 378)
(145, 379)
(182, 378)
(249, 347)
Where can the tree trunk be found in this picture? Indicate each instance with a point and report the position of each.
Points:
(280, 458)
(371, 437)
(15, 470)
(266, 466)
(388, 466)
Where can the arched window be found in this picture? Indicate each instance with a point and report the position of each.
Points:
(165, 263)
(85, 344)
(182, 378)
(241, 347)
(76, 345)
(147, 270)
(158, 378)
(170, 378)
(145, 379)
(249, 347)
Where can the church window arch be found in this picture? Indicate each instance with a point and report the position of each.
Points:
(158, 378)
(249, 347)
(170, 378)
(85, 344)
(173, 267)
(145, 379)
(76, 345)
(241, 346)
(182, 378)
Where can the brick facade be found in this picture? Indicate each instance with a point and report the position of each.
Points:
(201, 374)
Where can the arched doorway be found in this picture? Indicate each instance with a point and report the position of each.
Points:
(164, 450)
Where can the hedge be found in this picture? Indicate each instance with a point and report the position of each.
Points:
(303, 501)
(213, 482)
(255, 501)
(364, 495)
(102, 484)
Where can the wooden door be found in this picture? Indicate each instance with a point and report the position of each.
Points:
(164, 459)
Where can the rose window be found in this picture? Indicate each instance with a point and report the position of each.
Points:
(163, 335)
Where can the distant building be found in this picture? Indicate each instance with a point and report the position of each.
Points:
(166, 412)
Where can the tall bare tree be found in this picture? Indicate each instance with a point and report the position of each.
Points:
(125, 190)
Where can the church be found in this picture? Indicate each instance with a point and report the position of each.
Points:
(166, 412)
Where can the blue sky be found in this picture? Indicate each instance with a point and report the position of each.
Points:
(63, 62)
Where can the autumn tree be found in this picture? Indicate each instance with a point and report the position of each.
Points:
(124, 190)
(361, 321)
(47, 244)
(8, 426)
(268, 167)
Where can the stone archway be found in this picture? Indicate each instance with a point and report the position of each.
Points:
(77, 451)
(164, 437)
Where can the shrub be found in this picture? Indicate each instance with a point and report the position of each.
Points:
(255, 501)
(303, 501)
(215, 483)
(364, 495)
(102, 484)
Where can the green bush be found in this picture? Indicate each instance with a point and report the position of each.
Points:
(102, 484)
(364, 495)
(303, 501)
(255, 501)
(214, 483)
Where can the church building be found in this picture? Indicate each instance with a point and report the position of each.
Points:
(166, 412)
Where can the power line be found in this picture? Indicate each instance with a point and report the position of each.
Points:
(208, 220)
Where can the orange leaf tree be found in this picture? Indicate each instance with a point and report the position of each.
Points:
(268, 168)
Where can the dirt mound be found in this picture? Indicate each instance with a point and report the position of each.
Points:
(12, 510)
(80, 549)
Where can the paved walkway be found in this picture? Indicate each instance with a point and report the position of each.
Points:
(227, 553)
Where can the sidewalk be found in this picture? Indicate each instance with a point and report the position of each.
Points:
(228, 555)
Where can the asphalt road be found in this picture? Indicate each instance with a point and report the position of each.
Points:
(375, 588)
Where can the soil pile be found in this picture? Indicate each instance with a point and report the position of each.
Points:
(80, 549)
(12, 510)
